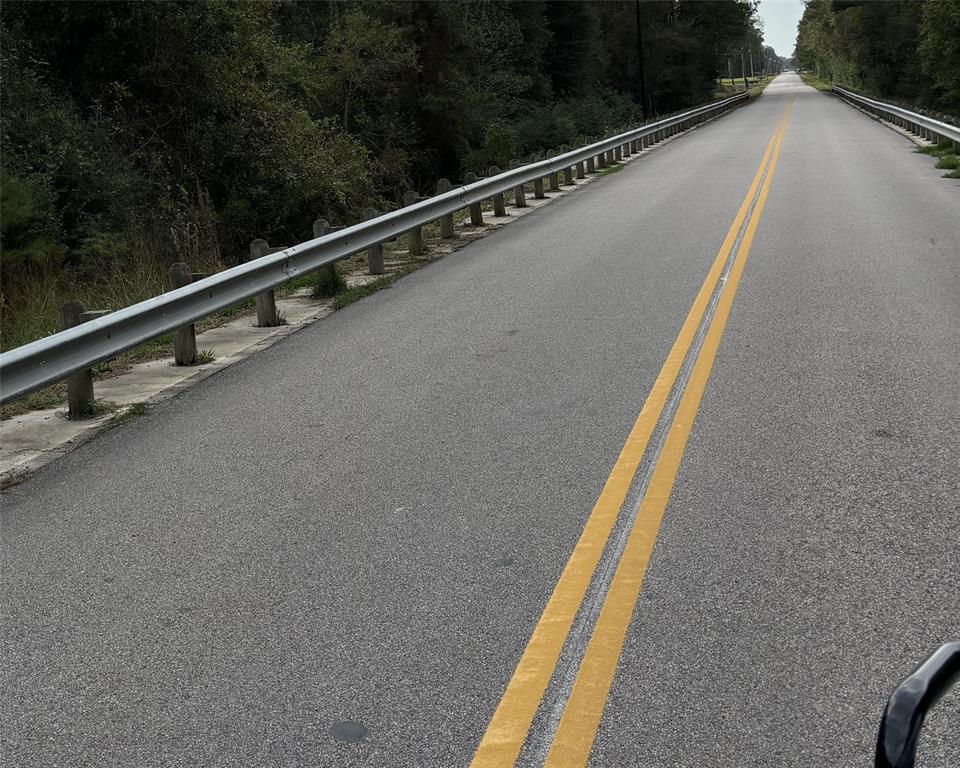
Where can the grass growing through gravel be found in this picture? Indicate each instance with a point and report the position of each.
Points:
(50, 397)
(358, 292)
(327, 283)
(95, 408)
(128, 414)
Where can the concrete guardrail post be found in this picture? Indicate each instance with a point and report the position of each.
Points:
(415, 235)
(602, 160)
(185, 337)
(553, 178)
(80, 397)
(446, 222)
(476, 212)
(267, 316)
(580, 167)
(519, 197)
(499, 208)
(321, 227)
(568, 170)
(538, 192)
(375, 264)
(628, 149)
(618, 153)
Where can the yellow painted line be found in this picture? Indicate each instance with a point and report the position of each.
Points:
(581, 716)
(511, 720)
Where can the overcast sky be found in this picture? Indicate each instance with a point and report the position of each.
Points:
(780, 19)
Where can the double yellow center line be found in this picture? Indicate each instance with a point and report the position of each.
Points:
(510, 724)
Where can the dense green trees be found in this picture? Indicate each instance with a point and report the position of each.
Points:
(908, 50)
(153, 131)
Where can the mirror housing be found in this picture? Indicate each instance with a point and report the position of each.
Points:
(908, 705)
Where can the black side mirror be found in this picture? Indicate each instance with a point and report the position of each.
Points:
(908, 705)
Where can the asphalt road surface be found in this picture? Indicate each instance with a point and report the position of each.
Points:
(360, 546)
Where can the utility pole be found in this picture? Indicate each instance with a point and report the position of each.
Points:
(643, 78)
(743, 68)
(751, 62)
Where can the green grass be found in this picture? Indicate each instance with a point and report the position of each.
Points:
(95, 408)
(757, 88)
(609, 169)
(129, 413)
(949, 162)
(727, 87)
(50, 397)
(328, 283)
(815, 82)
(937, 150)
(947, 159)
(360, 291)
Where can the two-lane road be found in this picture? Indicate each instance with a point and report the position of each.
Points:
(731, 370)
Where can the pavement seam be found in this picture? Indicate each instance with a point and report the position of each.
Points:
(558, 692)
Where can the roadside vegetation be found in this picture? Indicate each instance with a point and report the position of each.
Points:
(726, 87)
(815, 82)
(903, 51)
(947, 158)
(135, 135)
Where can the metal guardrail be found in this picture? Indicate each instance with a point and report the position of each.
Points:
(927, 127)
(51, 359)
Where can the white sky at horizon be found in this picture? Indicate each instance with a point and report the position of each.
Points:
(780, 19)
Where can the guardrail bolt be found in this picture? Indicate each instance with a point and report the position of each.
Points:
(446, 222)
(519, 198)
(415, 235)
(476, 213)
(267, 316)
(185, 337)
(499, 209)
(374, 252)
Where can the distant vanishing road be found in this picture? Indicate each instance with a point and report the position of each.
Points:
(666, 474)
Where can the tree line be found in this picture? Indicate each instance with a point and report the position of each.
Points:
(907, 50)
(142, 133)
